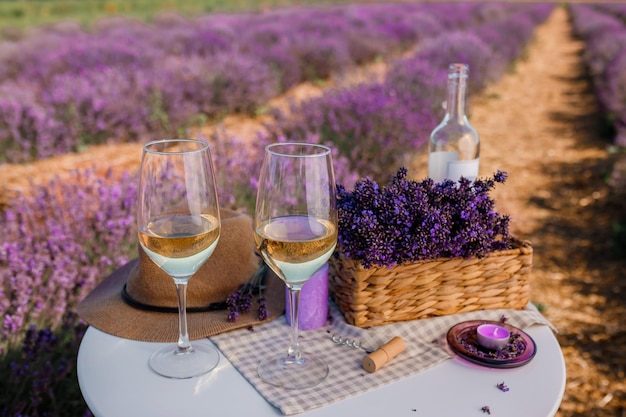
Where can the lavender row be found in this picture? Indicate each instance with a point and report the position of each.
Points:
(58, 242)
(64, 87)
(604, 34)
(615, 9)
(375, 126)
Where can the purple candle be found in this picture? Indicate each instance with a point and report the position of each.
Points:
(313, 309)
(492, 336)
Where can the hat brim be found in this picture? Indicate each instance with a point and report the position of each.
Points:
(105, 309)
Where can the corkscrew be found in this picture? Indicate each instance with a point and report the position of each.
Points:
(375, 358)
(350, 343)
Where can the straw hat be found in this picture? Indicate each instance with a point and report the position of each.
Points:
(138, 301)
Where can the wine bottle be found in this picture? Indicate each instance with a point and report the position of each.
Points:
(454, 145)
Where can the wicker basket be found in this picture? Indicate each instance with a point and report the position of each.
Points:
(379, 295)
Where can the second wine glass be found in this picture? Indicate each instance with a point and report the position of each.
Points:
(296, 233)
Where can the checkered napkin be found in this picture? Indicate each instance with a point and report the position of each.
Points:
(425, 340)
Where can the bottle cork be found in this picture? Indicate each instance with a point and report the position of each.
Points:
(377, 359)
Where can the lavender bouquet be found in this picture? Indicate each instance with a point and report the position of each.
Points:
(408, 221)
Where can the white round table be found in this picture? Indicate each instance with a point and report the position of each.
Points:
(115, 381)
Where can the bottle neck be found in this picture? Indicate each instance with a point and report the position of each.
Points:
(457, 88)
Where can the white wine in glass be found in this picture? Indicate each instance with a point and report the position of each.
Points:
(179, 226)
(296, 233)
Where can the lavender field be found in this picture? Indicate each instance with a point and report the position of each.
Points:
(64, 88)
(603, 28)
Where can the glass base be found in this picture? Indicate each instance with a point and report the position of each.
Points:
(171, 363)
(285, 372)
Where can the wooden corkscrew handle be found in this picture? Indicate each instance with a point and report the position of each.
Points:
(377, 359)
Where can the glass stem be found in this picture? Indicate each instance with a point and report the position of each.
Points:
(183, 335)
(293, 353)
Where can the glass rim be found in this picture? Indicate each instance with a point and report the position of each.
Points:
(323, 149)
(150, 146)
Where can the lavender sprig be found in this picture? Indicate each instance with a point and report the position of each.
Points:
(502, 386)
(240, 301)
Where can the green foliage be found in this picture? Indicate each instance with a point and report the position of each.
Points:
(158, 114)
(28, 13)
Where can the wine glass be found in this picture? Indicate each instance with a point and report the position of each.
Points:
(179, 226)
(296, 232)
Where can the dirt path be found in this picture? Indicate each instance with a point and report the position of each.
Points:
(540, 124)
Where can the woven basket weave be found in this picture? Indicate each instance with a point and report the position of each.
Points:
(379, 295)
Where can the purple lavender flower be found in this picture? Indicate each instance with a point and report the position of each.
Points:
(263, 311)
(409, 221)
(41, 372)
(59, 242)
(604, 32)
(240, 301)
(370, 125)
(233, 316)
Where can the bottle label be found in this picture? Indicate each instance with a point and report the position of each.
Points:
(438, 164)
(446, 165)
(467, 169)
